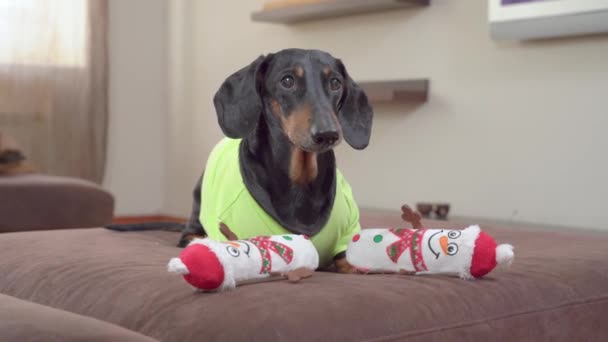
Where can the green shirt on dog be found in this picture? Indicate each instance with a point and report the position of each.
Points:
(225, 198)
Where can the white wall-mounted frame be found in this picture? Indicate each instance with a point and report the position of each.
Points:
(536, 19)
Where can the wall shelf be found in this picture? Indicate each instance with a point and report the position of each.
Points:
(331, 8)
(547, 19)
(396, 90)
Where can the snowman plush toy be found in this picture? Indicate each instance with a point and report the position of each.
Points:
(210, 265)
(469, 253)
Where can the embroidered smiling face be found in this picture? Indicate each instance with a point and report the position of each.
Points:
(447, 250)
(241, 255)
(444, 242)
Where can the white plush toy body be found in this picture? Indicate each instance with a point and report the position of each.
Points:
(468, 253)
(212, 265)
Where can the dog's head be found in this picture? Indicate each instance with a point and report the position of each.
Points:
(306, 93)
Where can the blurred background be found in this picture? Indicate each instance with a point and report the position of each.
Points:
(498, 108)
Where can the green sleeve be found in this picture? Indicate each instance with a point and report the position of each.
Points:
(212, 202)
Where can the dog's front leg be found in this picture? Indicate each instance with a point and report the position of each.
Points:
(342, 265)
(193, 228)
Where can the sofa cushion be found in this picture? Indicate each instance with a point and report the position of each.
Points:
(557, 289)
(36, 202)
(26, 321)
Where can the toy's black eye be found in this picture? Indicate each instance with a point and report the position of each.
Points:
(335, 84)
(454, 234)
(287, 82)
(452, 248)
(233, 251)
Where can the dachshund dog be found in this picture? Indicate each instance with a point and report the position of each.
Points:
(275, 172)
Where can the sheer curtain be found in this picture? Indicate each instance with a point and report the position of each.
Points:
(53, 83)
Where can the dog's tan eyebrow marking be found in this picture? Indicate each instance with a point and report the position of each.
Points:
(326, 71)
(299, 71)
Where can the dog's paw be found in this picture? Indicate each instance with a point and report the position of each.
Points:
(185, 240)
(343, 267)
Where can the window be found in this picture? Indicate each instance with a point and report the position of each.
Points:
(43, 32)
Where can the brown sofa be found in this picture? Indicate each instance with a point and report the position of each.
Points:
(26, 321)
(556, 290)
(31, 201)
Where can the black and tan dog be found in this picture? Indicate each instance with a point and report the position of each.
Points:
(276, 171)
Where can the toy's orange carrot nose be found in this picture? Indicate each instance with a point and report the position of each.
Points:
(443, 241)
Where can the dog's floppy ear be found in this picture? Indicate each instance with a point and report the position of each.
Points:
(355, 113)
(238, 103)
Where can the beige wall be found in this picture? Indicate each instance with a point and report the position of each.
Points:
(182, 161)
(511, 130)
(135, 172)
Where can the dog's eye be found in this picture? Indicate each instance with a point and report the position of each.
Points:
(335, 84)
(287, 82)
(452, 248)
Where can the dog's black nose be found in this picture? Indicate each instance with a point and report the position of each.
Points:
(326, 138)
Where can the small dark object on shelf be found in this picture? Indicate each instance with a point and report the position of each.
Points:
(425, 209)
(440, 210)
